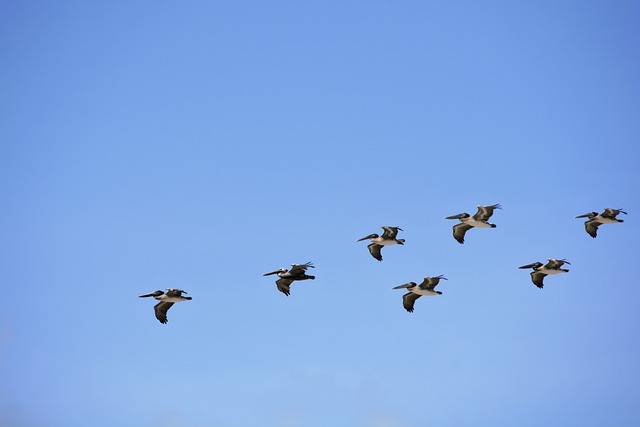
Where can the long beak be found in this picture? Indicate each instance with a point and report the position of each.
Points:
(454, 216)
(153, 294)
(406, 285)
(271, 272)
(528, 265)
(365, 238)
(588, 215)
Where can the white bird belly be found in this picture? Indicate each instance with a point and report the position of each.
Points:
(607, 220)
(382, 242)
(552, 271)
(479, 224)
(425, 292)
(171, 299)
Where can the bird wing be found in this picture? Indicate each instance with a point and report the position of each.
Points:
(555, 263)
(408, 300)
(485, 212)
(611, 213)
(174, 292)
(161, 309)
(374, 249)
(429, 282)
(283, 285)
(390, 233)
(592, 228)
(459, 230)
(299, 269)
(537, 278)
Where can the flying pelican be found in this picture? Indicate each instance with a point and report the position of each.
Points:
(595, 220)
(467, 222)
(387, 238)
(286, 277)
(541, 270)
(427, 287)
(166, 301)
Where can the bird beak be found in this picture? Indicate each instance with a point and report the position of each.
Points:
(454, 216)
(584, 216)
(365, 238)
(406, 285)
(270, 273)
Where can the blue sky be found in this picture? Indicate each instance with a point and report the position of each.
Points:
(198, 145)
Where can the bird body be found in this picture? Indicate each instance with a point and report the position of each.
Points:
(467, 222)
(426, 288)
(167, 299)
(595, 220)
(287, 277)
(540, 271)
(377, 242)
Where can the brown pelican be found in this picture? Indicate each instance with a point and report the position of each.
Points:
(541, 270)
(286, 277)
(467, 222)
(166, 301)
(427, 287)
(387, 238)
(595, 220)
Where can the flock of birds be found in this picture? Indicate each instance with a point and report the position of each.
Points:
(298, 272)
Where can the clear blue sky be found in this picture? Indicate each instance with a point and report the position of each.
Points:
(199, 144)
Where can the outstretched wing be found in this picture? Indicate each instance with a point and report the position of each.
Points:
(592, 228)
(161, 309)
(374, 249)
(612, 213)
(537, 278)
(299, 269)
(174, 292)
(459, 230)
(408, 300)
(556, 263)
(430, 282)
(485, 212)
(283, 285)
(390, 233)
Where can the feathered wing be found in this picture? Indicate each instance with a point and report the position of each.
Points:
(537, 278)
(390, 233)
(430, 282)
(556, 263)
(612, 213)
(161, 309)
(408, 300)
(459, 231)
(299, 269)
(284, 285)
(485, 212)
(591, 227)
(374, 250)
(174, 292)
